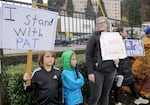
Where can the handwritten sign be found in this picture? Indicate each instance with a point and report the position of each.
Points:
(28, 28)
(112, 46)
(134, 47)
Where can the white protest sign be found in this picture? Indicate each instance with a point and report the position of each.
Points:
(112, 46)
(28, 28)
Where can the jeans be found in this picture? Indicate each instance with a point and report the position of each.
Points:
(118, 89)
(100, 89)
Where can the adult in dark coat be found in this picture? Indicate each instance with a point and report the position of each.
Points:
(125, 70)
(100, 73)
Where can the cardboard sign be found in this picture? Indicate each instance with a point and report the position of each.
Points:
(134, 47)
(27, 28)
(112, 46)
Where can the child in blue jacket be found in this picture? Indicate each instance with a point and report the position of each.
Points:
(72, 79)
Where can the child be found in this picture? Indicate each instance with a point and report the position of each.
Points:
(126, 70)
(46, 80)
(72, 79)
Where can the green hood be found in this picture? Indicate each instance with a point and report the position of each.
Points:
(66, 59)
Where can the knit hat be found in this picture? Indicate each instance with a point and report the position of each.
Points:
(147, 30)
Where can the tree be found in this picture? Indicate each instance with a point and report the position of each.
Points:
(40, 1)
(136, 11)
(89, 11)
(132, 10)
(134, 14)
(56, 3)
(70, 8)
(124, 8)
(145, 10)
(99, 13)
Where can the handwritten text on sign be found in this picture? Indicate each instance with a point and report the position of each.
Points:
(28, 28)
(134, 47)
(112, 46)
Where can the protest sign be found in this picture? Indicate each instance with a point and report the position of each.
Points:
(134, 47)
(112, 46)
(27, 28)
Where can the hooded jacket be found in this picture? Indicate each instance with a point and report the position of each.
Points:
(71, 83)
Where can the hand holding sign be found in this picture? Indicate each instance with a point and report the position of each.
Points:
(116, 61)
(112, 46)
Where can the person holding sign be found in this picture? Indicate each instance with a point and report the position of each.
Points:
(46, 80)
(72, 79)
(125, 70)
(141, 67)
(100, 73)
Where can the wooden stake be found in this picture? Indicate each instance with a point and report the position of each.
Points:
(29, 66)
(29, 57)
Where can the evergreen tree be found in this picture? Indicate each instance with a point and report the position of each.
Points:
(124, 8)
(70, 8)
(145, 10)
(136, 11)
(99, 13)
(103, 6)
(40, 1)
(132, 10)
(56, 3)
(89, 12)
(134, 14)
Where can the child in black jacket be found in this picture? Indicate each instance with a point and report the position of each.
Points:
(46, 80)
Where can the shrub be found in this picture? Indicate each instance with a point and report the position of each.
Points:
(13, 86)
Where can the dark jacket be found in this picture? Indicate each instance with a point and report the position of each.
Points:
(125, 70)
(47, 86)
(94, 57)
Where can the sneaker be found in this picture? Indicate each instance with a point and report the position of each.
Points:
(119, 103)
(140, 100)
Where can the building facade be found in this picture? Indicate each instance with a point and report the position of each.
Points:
(112, 7)
(80, 5)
